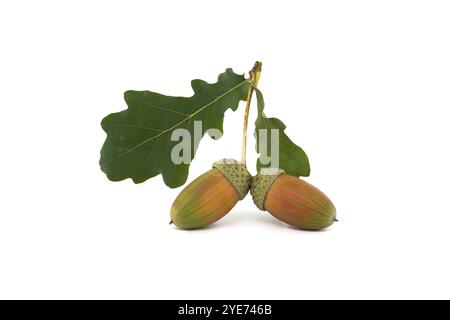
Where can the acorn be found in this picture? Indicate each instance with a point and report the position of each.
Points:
(211, 196)
(292, 200)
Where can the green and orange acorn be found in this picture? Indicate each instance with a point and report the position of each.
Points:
(292, 200)
(211, 196)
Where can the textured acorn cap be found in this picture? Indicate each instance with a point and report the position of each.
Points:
(237, 173)
(261, 183)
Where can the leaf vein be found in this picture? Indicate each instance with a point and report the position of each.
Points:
(132, 126)
(162, 108)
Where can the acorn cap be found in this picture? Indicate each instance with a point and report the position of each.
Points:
(237, 173)
(262, 183)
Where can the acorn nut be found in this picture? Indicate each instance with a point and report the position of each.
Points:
(292, 200)
(211, 196)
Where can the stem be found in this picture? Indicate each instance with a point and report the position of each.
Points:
(254, 78)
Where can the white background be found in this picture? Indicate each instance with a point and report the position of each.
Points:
(363, 86)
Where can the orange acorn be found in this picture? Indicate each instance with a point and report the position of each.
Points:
(211, 196)
(292, 200)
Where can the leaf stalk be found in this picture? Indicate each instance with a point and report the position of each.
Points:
(255, 73)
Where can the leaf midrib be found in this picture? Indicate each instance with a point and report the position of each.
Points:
(176, 125)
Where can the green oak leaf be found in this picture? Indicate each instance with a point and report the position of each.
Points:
(139, 142)
(292, 159)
